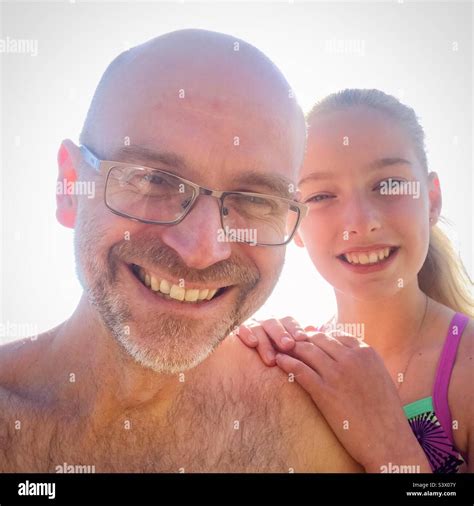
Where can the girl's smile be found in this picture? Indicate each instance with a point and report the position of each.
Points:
(369, 259)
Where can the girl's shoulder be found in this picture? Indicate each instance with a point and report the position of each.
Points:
(463, 365)
(463, 371)
(460, 393)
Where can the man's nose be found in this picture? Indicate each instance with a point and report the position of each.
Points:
(195, 239)
(361, 217)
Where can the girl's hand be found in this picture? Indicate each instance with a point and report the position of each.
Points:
(271, 336)
(349, 383)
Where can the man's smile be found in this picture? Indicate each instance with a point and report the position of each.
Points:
(184, 292)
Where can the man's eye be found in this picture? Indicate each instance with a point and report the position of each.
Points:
(154, 179)
(319, 198)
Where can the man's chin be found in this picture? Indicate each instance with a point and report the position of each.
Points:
(176, 346)
(166, 363)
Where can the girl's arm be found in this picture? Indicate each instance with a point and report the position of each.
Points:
(348, 382)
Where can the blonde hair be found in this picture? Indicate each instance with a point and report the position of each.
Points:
(443, 276)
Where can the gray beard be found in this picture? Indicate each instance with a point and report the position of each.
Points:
(164, 343)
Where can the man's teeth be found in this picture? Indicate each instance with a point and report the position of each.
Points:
(176, 292)
(367, 257)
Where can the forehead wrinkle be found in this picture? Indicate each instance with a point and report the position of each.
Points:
(149, 157)
(275, 182)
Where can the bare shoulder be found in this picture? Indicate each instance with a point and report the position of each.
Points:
(461, 397)
(10, 414)
(314, 446)
(19, 414)
(462, 376)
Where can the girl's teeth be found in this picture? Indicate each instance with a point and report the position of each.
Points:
(369, 257)
(373, 257)
(174, 291)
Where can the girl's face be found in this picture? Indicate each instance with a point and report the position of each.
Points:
(368, 196)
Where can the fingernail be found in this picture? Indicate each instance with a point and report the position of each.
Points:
(253, 339)
(300, 333)
(270, 356)
(286, 340)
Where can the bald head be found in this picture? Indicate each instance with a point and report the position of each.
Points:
(198, 73)
(213, 110)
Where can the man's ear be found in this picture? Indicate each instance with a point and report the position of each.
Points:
(298, 240)
(66, 198)
(435, 197)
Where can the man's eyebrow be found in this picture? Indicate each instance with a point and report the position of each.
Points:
(274, 182)
(148, 157)
(316, 176)
(380, 163)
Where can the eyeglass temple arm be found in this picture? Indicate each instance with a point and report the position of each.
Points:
(90, 158)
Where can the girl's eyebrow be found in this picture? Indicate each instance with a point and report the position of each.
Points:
(380, 163)
(386, 162)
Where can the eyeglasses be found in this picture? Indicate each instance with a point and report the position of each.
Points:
(162, 198)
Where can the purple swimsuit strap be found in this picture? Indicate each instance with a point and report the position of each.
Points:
(443, 373)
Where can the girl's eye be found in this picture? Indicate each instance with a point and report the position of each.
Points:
(318, 198)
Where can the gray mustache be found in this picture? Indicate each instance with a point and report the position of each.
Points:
(230, 271)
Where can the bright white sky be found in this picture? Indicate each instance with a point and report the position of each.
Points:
(420, 52)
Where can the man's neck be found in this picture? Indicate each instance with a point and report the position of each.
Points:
(108, 381)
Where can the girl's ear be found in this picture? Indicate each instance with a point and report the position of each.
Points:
(298, 240)
(435, 197)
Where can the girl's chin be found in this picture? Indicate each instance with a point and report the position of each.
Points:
(368, 293)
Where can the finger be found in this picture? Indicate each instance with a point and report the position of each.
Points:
(265, 346)
(327, 343)
(293, 327)
(309, 329)
(346, 339)
(247, 337)
(278, 334)
(309, 379)
(313, 356)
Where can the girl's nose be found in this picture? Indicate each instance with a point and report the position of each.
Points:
(361, 217)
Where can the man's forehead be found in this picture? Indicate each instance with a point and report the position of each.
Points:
(176, 163)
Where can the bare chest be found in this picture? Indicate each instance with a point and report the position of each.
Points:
(200, 433)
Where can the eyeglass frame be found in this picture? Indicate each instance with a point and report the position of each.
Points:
(101, 166)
